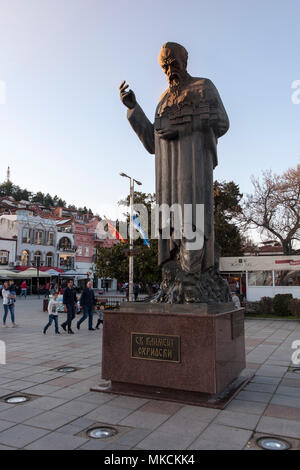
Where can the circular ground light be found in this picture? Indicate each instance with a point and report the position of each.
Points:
(17, 399)
(102, 433)
(67, 369)
(272, 443)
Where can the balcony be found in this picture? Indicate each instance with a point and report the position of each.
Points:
(66, 249)
(65, 229)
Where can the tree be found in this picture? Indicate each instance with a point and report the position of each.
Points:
(26, 195)
(112, 262)
(146, 268)
(227, 199)
(61, 203)
(38, 197)
(274, 208)
(7, 189)
(48, 200)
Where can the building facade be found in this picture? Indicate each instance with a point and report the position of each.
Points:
(8, 252)
(264, 276)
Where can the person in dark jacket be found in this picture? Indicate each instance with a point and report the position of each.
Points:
(69, 301)
(88, 302)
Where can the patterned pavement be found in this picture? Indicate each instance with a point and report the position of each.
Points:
(62, 407)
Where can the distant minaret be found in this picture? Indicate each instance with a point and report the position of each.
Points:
(8, 175)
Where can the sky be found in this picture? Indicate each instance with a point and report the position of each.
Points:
(63, 128)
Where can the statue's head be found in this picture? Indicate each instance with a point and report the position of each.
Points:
(173, 60)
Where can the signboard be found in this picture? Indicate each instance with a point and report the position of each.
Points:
(260, 263)
(155, 347)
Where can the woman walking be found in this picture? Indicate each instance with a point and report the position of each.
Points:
(9, 299)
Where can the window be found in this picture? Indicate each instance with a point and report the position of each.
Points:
(79, 250)
(287, 278)
(65, 244)
(87, 230)
(25, 258)
(26, 235)
(50, 238)
(37, 258)
(66, 262)
(38, 237)
(87, 251)
(260, 278)
(49, 259)
(4, 257)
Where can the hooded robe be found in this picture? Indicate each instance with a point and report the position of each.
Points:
(184, 166)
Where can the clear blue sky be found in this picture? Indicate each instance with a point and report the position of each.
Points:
(63, 128)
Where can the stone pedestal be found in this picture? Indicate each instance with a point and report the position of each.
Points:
(189, 353)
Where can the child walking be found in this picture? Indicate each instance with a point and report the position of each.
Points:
(100, 318)
(53, 313)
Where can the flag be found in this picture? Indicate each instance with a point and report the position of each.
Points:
(139, 228)
(114, 232)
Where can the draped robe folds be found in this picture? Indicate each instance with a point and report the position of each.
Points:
(184, 166)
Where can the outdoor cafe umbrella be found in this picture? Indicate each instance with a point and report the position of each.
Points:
(30, 273)
(6, 274)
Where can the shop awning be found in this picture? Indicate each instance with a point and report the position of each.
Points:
(29, 273)
(6, 274)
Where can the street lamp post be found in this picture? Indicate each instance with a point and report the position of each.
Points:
(38, 276)
(131, 202)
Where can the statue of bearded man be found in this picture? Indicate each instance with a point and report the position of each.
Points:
(189, 119)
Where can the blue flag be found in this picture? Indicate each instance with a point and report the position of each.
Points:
(139, 228)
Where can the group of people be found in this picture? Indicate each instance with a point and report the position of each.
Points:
(87, 302)
(8, 292)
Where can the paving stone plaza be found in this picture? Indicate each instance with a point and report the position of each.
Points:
(62, 407)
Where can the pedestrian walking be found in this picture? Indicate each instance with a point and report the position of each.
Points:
(88, 303)
(235, 300)
(9, 298)
(24, 289)
(135, 291)
(53, 314)
(47, 289)
(69, 301)
(100, 313)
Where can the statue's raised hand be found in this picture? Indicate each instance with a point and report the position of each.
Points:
(127, 97)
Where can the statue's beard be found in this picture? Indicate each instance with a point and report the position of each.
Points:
(175, 85)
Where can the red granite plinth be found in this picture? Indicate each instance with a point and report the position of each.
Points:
(212, 352)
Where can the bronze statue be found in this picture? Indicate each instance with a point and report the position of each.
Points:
(189, 119)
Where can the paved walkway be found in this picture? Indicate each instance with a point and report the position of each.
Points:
(64, 407)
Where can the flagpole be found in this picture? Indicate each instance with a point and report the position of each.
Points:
(131, 204)
(131, 241)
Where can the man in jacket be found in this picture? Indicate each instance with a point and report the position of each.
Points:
(69, 301)
(88, 302)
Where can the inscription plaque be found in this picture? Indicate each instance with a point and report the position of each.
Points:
(237, 324)
(155, 347)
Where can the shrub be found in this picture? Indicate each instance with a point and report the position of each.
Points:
(251, 307)
(294, 307)
(265, 305)
(281, 304)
